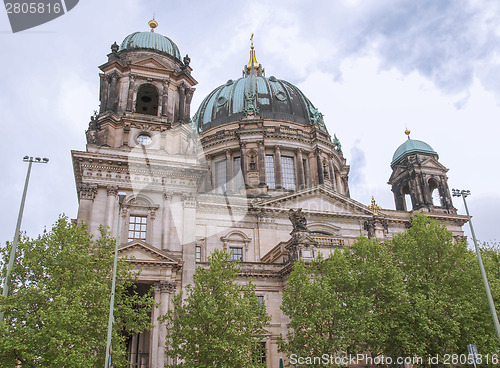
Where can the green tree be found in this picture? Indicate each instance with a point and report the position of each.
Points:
(220, 322)
(344, 303)
(56, 314)
(419, 294)
(447, 302)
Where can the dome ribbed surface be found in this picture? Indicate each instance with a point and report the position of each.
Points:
(271, 98)
(152, 41)
(411, 146)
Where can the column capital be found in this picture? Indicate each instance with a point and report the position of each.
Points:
(166, 286)
(112, 190)
(168, 195)
(87, 191)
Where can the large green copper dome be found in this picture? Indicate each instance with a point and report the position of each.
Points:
(152, 41)
(411, 146)
(256, 95)
(269, 98)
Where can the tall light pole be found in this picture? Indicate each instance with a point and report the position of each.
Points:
(107, 362)
(464, 194)
(6, 283)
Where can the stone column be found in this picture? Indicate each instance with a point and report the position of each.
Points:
(278, 169)
(189, 237)
(164, 99)
(112, 191)
(104, 92)
(182, 100)
(87, 193)
(112, 100)
(340, 186)
(321, 179)
(208, 179)
(332, 172)
(164, 289)
(229, 171)
(312, 169)
(130, 95)
(243, 153)
(165, 231)
(189, 97)
(151, 225)
(300, 168)
(262, 164)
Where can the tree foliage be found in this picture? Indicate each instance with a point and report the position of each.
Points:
(420, 294)
(220, 322)
(57, 312)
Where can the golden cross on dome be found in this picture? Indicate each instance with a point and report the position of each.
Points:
(374, 207)
(251, 39)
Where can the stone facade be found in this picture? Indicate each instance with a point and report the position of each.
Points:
(177, 210)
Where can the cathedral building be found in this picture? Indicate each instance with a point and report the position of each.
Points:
(254, 172)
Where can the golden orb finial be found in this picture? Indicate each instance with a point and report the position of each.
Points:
(153, 24)
(407, 132)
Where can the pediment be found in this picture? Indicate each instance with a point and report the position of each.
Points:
(428, 165)
(432, 163)
(317, 199)
(141, 252)
(151, 63)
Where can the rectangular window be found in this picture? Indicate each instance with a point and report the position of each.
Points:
(271, 183)
(236, 165)
(260, 298)
(239, 181)
(198, 253)
(220, 177)
(263, 353)
(288, 167)
(137, 228)
(236, 254)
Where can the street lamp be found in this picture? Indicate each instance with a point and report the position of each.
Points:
(107, 362)
(464, 194)
(6, 283)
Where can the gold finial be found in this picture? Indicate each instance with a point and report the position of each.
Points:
(253, 63)
(153, 24)
(374, 207)
(407, 132)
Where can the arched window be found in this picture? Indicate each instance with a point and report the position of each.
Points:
(147, 100)
(405, 191)
(435, 195)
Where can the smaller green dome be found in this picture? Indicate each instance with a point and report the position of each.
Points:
(152, 41)
(411, 146)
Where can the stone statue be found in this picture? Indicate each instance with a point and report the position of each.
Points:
(316, 116)
(91, 132)
(336, 142)
(298, 220)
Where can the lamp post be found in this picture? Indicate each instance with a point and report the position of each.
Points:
(464, 194)
(6, 283)
(107, 362)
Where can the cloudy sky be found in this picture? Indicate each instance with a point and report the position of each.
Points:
(372, 68)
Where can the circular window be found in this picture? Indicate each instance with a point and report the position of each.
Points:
(281, 96)
(144, 140)
(221, 101)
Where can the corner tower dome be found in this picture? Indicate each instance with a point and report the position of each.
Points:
(151, 41)
(409, 147)
(255, 94)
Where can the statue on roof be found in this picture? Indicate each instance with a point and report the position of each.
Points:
(298, 220)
